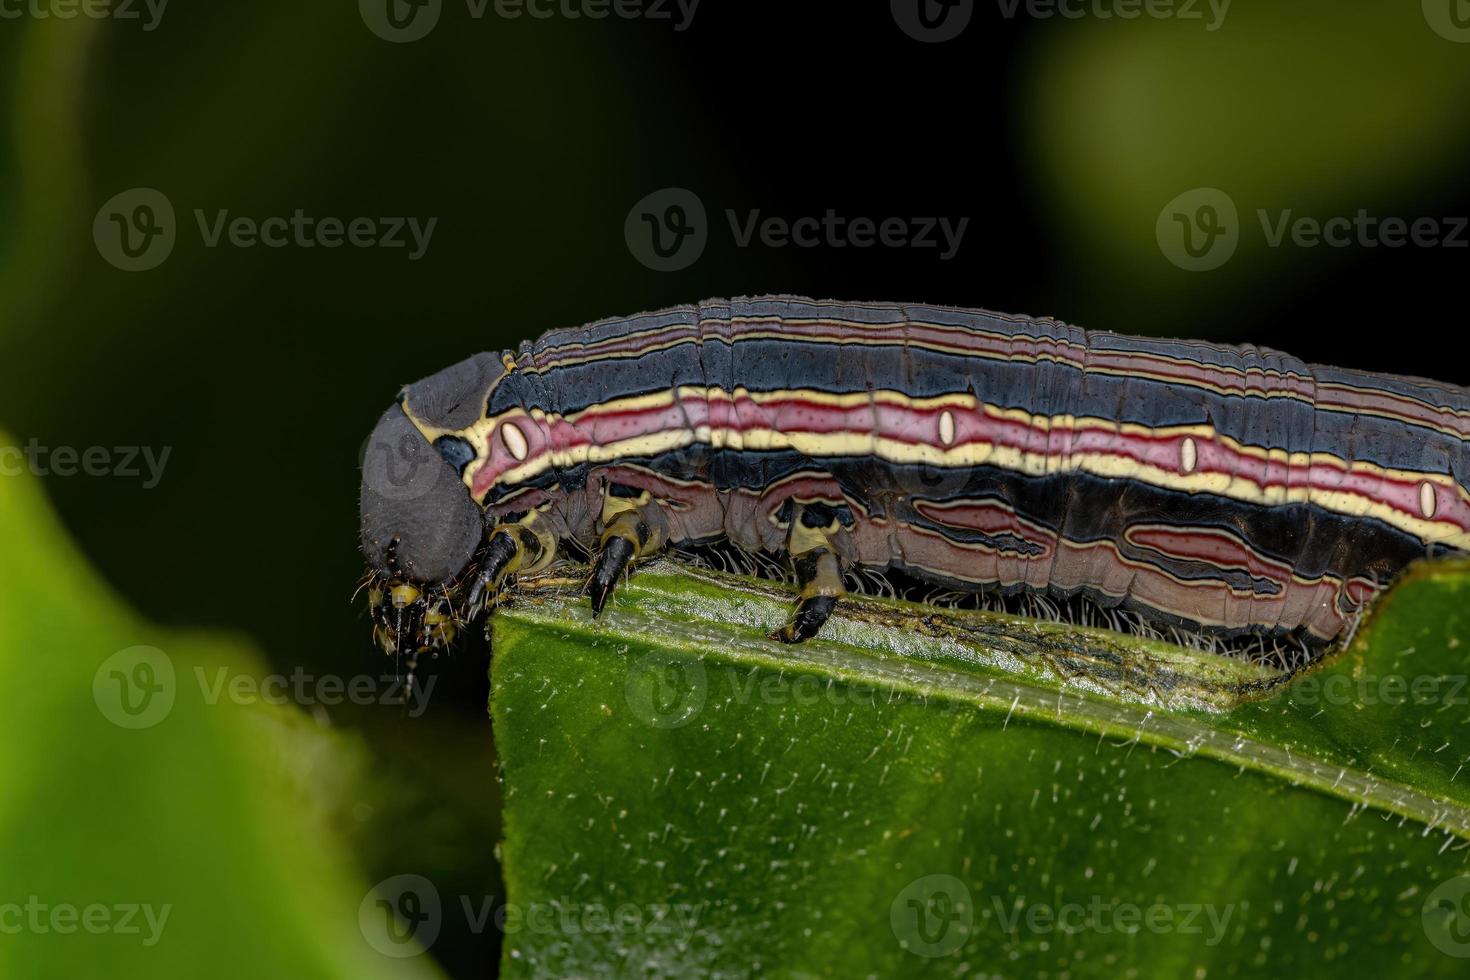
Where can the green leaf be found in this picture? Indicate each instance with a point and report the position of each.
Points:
(154, 829)
(969, 794)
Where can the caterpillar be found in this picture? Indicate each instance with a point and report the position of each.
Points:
(1232, 490)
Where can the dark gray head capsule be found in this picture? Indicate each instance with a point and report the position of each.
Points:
(419, 523)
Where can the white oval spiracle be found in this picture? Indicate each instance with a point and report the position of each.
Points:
(946, 428)
(515, 440)
(1188, 455)
(1428, 499)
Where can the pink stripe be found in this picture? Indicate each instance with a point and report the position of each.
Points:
(920, 427)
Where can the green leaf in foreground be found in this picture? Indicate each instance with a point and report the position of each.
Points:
(964, 794)
(149, 830)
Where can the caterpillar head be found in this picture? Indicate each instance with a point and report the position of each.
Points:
(421, 529)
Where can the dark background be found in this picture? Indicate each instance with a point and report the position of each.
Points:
(1061, 140)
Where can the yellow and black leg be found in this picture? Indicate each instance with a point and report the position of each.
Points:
(524, 546)
(818, 572)
(633, 528)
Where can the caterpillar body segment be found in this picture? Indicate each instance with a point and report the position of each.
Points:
(1228, 490)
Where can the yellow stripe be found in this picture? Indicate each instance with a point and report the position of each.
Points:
(964, 455)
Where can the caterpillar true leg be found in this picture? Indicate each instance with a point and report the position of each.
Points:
(632, 528)
(617, 551)
(817, 571)
(512, 548)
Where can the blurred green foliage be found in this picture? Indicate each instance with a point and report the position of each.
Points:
(1316, 107)
(156, 826)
